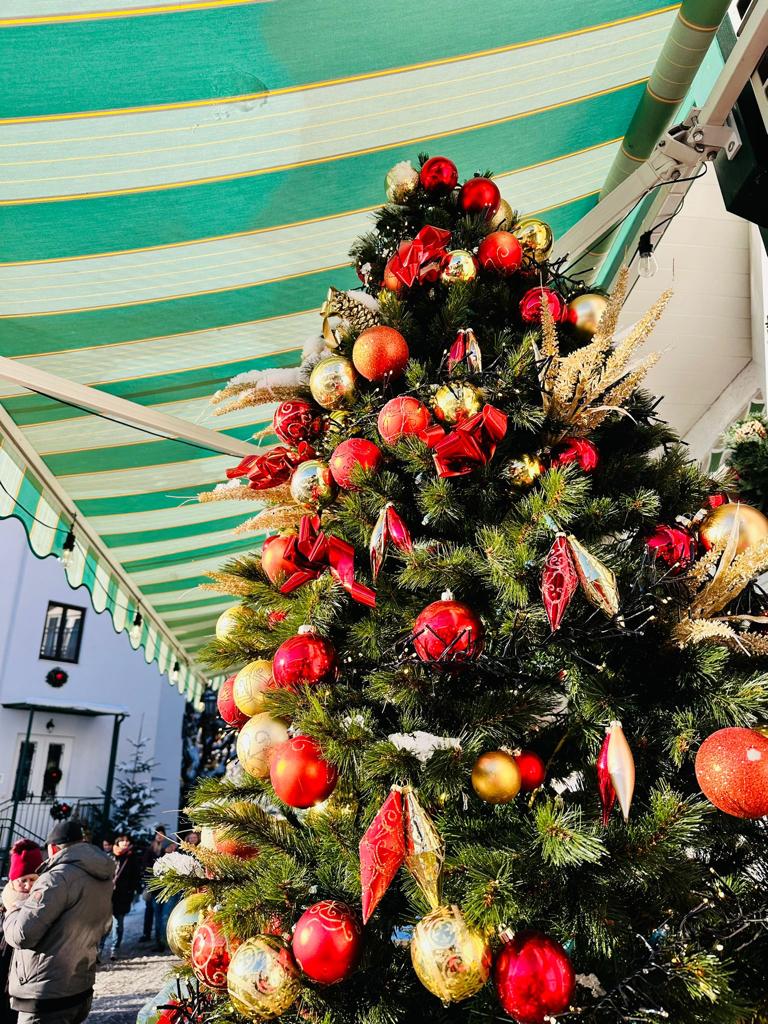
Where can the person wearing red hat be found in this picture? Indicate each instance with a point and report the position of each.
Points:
(26, 858)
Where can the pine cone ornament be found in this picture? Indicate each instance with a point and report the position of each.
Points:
(352, 311)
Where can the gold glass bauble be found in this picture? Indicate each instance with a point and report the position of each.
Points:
(263, 979)
(535, 238)
(182, 922)
(227, 621)
(250, 686)
(584, 313)
(496, 777)
(332, 382)
(401, 181)
(451, 959)
(454, 403)
(716, 526)
(312, 483)
(255, 743)
(458, 265)
(524, 470)
(504, 217)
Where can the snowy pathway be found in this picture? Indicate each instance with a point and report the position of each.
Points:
(124, 985)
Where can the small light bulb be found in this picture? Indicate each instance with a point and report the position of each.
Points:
(135, 633)
(175, 672)
(647, 264)
(68, 549)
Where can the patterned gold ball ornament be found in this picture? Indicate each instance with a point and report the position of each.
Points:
(401, 181)
(332, 382)
(451, 959)
(227, 621)
(250, 686)
(454, 403)
(338, 420)
(255, 743)
(496, 777)
(524, 470)
(503, 219)
(263, 980)
(458, 265)
(584, 313)
(535, 238)
(182, 922)
(716, 526)
(312, 483)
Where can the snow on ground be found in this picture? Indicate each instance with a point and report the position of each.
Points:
(125, 984)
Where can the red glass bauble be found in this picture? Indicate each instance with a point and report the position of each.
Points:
(533, 771)
(391, 281)
(732, 770)
(439, 175)
(327, 942)
(233, 847)
(380, 352)
(228, 710)
(300, 776)
(480, 195)
(347, 456)
(578, 450)
(210, 954)
(673, 546)
(448, 631)
(500, 251)
(296, 421)
(533, 977)
(272, 558)
(401, 416)
(305, 659)
(530, 305)
(716, 500)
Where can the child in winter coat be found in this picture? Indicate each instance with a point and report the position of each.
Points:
(26, 858)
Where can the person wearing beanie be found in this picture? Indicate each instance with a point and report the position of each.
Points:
(26, 858)
(56, 928)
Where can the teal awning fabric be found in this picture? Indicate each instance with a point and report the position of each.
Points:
(180, 184)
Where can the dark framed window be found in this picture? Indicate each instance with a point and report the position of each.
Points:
(62, 632)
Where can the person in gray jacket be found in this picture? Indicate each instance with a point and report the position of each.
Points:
(55, 932)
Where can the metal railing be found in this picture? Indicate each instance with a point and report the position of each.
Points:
(33, 819)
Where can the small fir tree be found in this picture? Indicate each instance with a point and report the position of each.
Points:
(516, 463)
(134, 798)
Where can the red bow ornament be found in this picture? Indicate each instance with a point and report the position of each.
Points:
(419, 258)
(311, 552)
(273, 468)
(471, 444)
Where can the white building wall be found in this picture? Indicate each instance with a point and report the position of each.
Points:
(108, 672)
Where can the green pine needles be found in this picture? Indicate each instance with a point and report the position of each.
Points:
(664, 916)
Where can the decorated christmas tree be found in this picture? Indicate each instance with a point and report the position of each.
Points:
(496, 669)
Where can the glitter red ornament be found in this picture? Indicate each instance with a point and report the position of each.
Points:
(380, 352)
(300, 776)
(480, 195)
(296, 421)
(304, 660)
(402, 416)
(210, 954)
(327, 942)
(732, 771)
(347, 456)
(382, 851)
(500, 251)
(578, 450)
(530, 305)
(227, 708)
(448, 632)
(533, 977)
(672, 545)
(439, 175)
(559, 581)
(533, 771)
(272, 558)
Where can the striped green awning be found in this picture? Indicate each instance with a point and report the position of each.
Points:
(180, 185)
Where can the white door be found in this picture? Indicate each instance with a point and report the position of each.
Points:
(45, 768)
